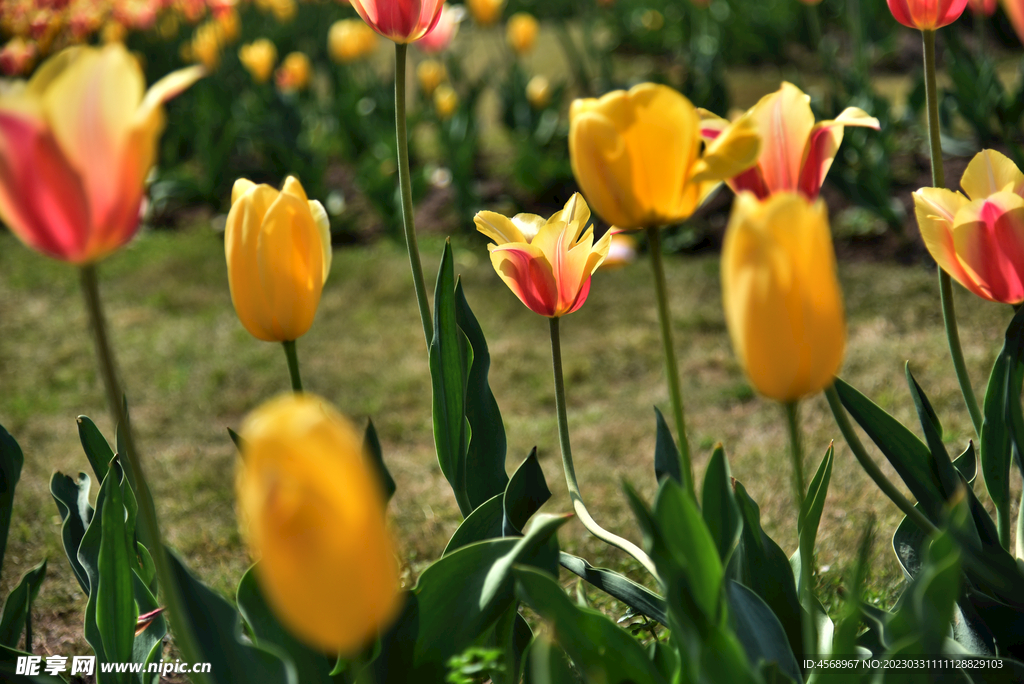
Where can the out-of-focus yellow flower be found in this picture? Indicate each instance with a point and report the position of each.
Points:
(538, 92)
(783, 305)
(278, 250)
(430, 73)
(293, 74)
(621, 252)
(168, 26)
(446, 101)
(638, 155)
(546, 263)
(522, 32)
(350, 40)
(978, 239)
(313, 515)
(206, 45)
(230, 25)
(485, 12)
(113, 32)
(258, 58)
(283, 10)
(652, 20)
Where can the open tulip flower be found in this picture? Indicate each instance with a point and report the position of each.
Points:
(546, 263)
(76, 144)
(278, 249)
(403, 21)
(638, 155)
(978, 237)
(796, 152)
(926, 15)
(782, 301)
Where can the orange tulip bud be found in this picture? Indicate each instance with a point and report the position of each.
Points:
(403, 21)
(522, 32)
(926, 15)
(258, 58)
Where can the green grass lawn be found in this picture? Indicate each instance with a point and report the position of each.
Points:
(191, 371)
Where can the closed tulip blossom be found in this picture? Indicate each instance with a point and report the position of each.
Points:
(278, 250)
(258, 58)
(350, 40)
(76, 144)
(313, 514)
(485, 12)
(926, 15)
(441, 36)
(430, 73)
(977, 236)
(638, 156)
(522, 32)
(796, 153)
(403, 21)
(293, 74)
(546, 263)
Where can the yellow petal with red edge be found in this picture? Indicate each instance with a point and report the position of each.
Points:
(989, 239)
(499, 228)
(822, 145)
(990, 172)
(575, 213)
(323, 224)
(784, 120)
(171, 85)
(241, 241)
(711, 125)
(734, 150)
(935, 209)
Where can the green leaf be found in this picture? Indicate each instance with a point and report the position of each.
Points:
(114, 598)
(371, 443)
(19, 604)
(485, 456)
(922, 623)
(95, 445)
(759, 630)
(546, 663)
(11, 461)
(147, 568)
(947, 475)
(666, 455)
(218, 636)
(720, 510)
(483, 523)
(149, 644)
(810, 513)
(310, 666)
(597, 646)
(844, 643)
(457, 599)
(451, 358)
(72, 499)
(967, 464)
(9, 667)
(237, 439)
(525, 493)
(638, 597)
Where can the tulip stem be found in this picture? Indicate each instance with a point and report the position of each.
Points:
(150, 533)
(945, 283)
(405, 184)
(796, 455)
(570, 471)
(870, 467)
(671, 367)
(293, 364)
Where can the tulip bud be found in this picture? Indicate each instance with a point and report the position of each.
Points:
(926, 15)
(446, 101)
(538, 92)
(313, 515)
(430, 73)
(278, 249)
(522, 32)
(293, 74)
(441, 36)
(485, 12)
(782, 301)
(350, 40)
(258, 58)
(403, 21)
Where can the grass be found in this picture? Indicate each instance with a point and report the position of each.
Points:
(191, 371)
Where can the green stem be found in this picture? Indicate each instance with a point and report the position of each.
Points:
(856, 20)
(150, 533)
(869, 466)
(570, 472)
(405, 184)
(814, 24)
(293, 364)
(671, 367)
(945, 284)
(806, 552)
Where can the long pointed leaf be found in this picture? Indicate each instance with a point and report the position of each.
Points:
(11, 461)
(719, 508)
(525, 493)
(19, 604)
(667, 461)
(636, 596)
(371, 444)
(72, 500)
(95, 445)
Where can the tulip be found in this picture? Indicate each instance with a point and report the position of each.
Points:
(446, 101)
(546, 263)
(258, 58)
(1015, 12)
(978, 237)
(441, 36)
(293, 74)
(206, 45)
(782, 301)
(926, 15)
(403, 21)
(538, 92)
(313, 515)
(522, 32)
(622, 251)
(638, 156)
(350, 40)
(796, 153)
(430, 73)
(485, 12)
(17, 56)
(278, 249)
(983, 7)
(76, 144)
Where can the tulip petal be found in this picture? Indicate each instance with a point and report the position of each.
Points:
(936, 209)
(529, 225)
(822, 145)
(526, 271)
(732, 152)
(499, 228)
(989, 239)
(171, 85)
(575, 213)
(784, 121)
(323, 224)
(241, 241)
(990, 172)
(241, 186)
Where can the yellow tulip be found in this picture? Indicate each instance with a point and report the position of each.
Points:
(783, 305)
(446, 101)
(639, 159)
(312, 512)
(258, 58)
(485, 12)
(293, 74)
(350, 40)
(522, 32)
(538, 92)
(430, 73)
(278, 249)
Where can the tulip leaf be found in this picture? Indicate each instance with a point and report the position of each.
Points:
(666, 455)
(217, 630)
(810, 513)
(999, 438)
(457, 599)
(599, 648)
(759, 630)
(720, 510)
(147, 567)
(95, 445)
(236, 439)
(371, 444)
(922, 622)
(933, 437)
(88, 556)
(525, 493)
(72, 500)
(9, 669)
(638, 597)
(547, 663)
(18, 605)
(11, 461)
(483, 523)
(310, 666)
(451, 358)
(967, 464)
(113, 600)
(485, 454)
(149, 643)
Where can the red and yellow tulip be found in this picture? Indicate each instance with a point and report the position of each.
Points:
(796, 152)
(441, 36)
(403, 21)
(978, 237)
(926, 15)
(546, 263)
